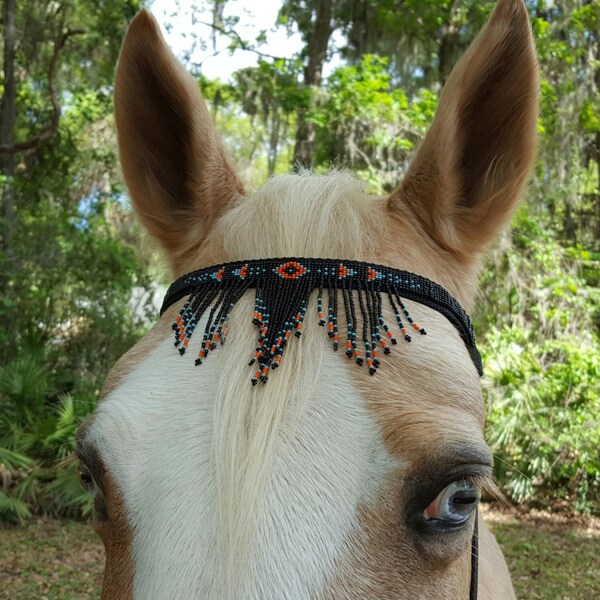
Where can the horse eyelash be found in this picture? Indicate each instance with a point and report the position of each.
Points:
(488, 487)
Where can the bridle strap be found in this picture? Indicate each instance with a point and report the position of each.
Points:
(356, 295)
(474, 560)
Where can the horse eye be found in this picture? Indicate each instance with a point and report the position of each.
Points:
(453, 505)
(86, 479)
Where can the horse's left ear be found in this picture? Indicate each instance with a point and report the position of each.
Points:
(174, 164)
(468, 173)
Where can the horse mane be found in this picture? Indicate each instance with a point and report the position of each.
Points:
(305, 214)
(321, 216)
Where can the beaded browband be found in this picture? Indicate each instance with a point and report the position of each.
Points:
(283, 288)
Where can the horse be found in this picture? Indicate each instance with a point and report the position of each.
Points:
(325, 482)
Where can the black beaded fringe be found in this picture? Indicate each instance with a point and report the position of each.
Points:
(283, 289)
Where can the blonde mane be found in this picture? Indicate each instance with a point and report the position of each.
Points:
(322, 216)
(305, 214)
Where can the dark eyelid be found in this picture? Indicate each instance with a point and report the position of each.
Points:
(456, 458)
(452, 462)
(88, 454)
(468, 453)
(427, 488)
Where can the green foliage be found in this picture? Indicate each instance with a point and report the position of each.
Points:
(544, 425)
(75, 254)
(37, 432)
(542, 354)
(72, 260)
(365, 121)
(13, 509)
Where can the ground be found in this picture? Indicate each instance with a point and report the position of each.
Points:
(551, 557)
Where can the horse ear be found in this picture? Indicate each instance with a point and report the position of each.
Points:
(173, 161)
(470, 169)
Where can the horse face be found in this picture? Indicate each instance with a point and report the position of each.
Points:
(325, 483)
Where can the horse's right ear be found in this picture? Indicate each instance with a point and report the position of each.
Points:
(174, 164)
(466, 177)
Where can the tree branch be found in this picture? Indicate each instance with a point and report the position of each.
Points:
(36, 141)
(243, 45)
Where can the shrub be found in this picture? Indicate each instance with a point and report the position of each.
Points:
(542, 377)
(543, 423)
(37, 435)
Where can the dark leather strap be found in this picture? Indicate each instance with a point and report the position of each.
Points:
(474, 560)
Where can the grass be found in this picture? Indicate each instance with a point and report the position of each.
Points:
(550, 557)
(50, 560)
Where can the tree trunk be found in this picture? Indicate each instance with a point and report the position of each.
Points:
(596, 91)
(317, 54)
(7, 123)
(448, 43)
(273, 141)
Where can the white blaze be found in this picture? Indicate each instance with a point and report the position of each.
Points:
(156, 434)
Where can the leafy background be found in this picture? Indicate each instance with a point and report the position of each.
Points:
(77, 275)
